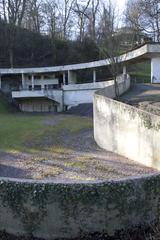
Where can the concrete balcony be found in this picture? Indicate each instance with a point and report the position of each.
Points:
(54, 95)
(28, 94)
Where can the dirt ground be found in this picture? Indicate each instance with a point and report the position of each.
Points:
(70, 156)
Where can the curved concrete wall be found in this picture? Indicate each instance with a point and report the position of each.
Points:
(55, 210)
(126, 130)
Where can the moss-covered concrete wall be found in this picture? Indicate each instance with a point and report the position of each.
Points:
(57, 210)
(126, 130)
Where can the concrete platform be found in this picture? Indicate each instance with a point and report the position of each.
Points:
(142, 92)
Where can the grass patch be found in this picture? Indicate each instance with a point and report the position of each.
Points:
(59, 150)
(141, 72)
(140, 77)
(86, 158)
(107, 169)
(74, 164)
(23, 132)
(48, 172)
(4, 107)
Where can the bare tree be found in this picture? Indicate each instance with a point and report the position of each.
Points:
(33, 16)
(109, 43)
(12, 13)
(145, 16)
(92, 16)
(50, 11)
(81, 13)
(65, 8)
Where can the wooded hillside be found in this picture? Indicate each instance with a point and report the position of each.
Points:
(55, 32)
(32, 49)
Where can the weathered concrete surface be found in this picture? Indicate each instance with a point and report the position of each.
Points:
(39, 100)
(75, 94)
(55, 210)
(37, 105)
(69, 95)
(155, 70)
(126, 130)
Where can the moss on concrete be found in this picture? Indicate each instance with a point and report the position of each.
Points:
(126, 201)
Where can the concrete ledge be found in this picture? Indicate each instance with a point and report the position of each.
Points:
(56, 210)
(87, 86)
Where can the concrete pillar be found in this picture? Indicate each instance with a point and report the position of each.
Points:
(0, 82)
(32, 82)
(42, 82)
(23, 81)
(94, 75)
(155, 70)
(72, 77)
(124, 70)
(64, 78)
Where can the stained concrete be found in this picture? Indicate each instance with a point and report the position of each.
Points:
(127, 130)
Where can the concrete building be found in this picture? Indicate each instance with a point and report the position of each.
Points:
(49, 89)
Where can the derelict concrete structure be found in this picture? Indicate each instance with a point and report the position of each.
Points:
(49, 89)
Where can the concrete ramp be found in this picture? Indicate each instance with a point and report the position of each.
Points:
(85, 109)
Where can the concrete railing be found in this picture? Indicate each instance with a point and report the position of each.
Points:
(75, 94)
(126, 130)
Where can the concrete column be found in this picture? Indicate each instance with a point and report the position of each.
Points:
(0, 82)
(64, 78)
(42, 83)
(23, 81)
(32, 82)
(124, 70)
(155, 70)
(72, 78)
(94, 75)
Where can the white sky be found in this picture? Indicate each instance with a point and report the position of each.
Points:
(120, 4)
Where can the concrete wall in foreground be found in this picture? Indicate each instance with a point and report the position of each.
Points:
(64, 211)
(126, 130)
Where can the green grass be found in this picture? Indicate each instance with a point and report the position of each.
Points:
(22, 132)
(26, 132)
(4, 106)
(141, 77)
(141, 72)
